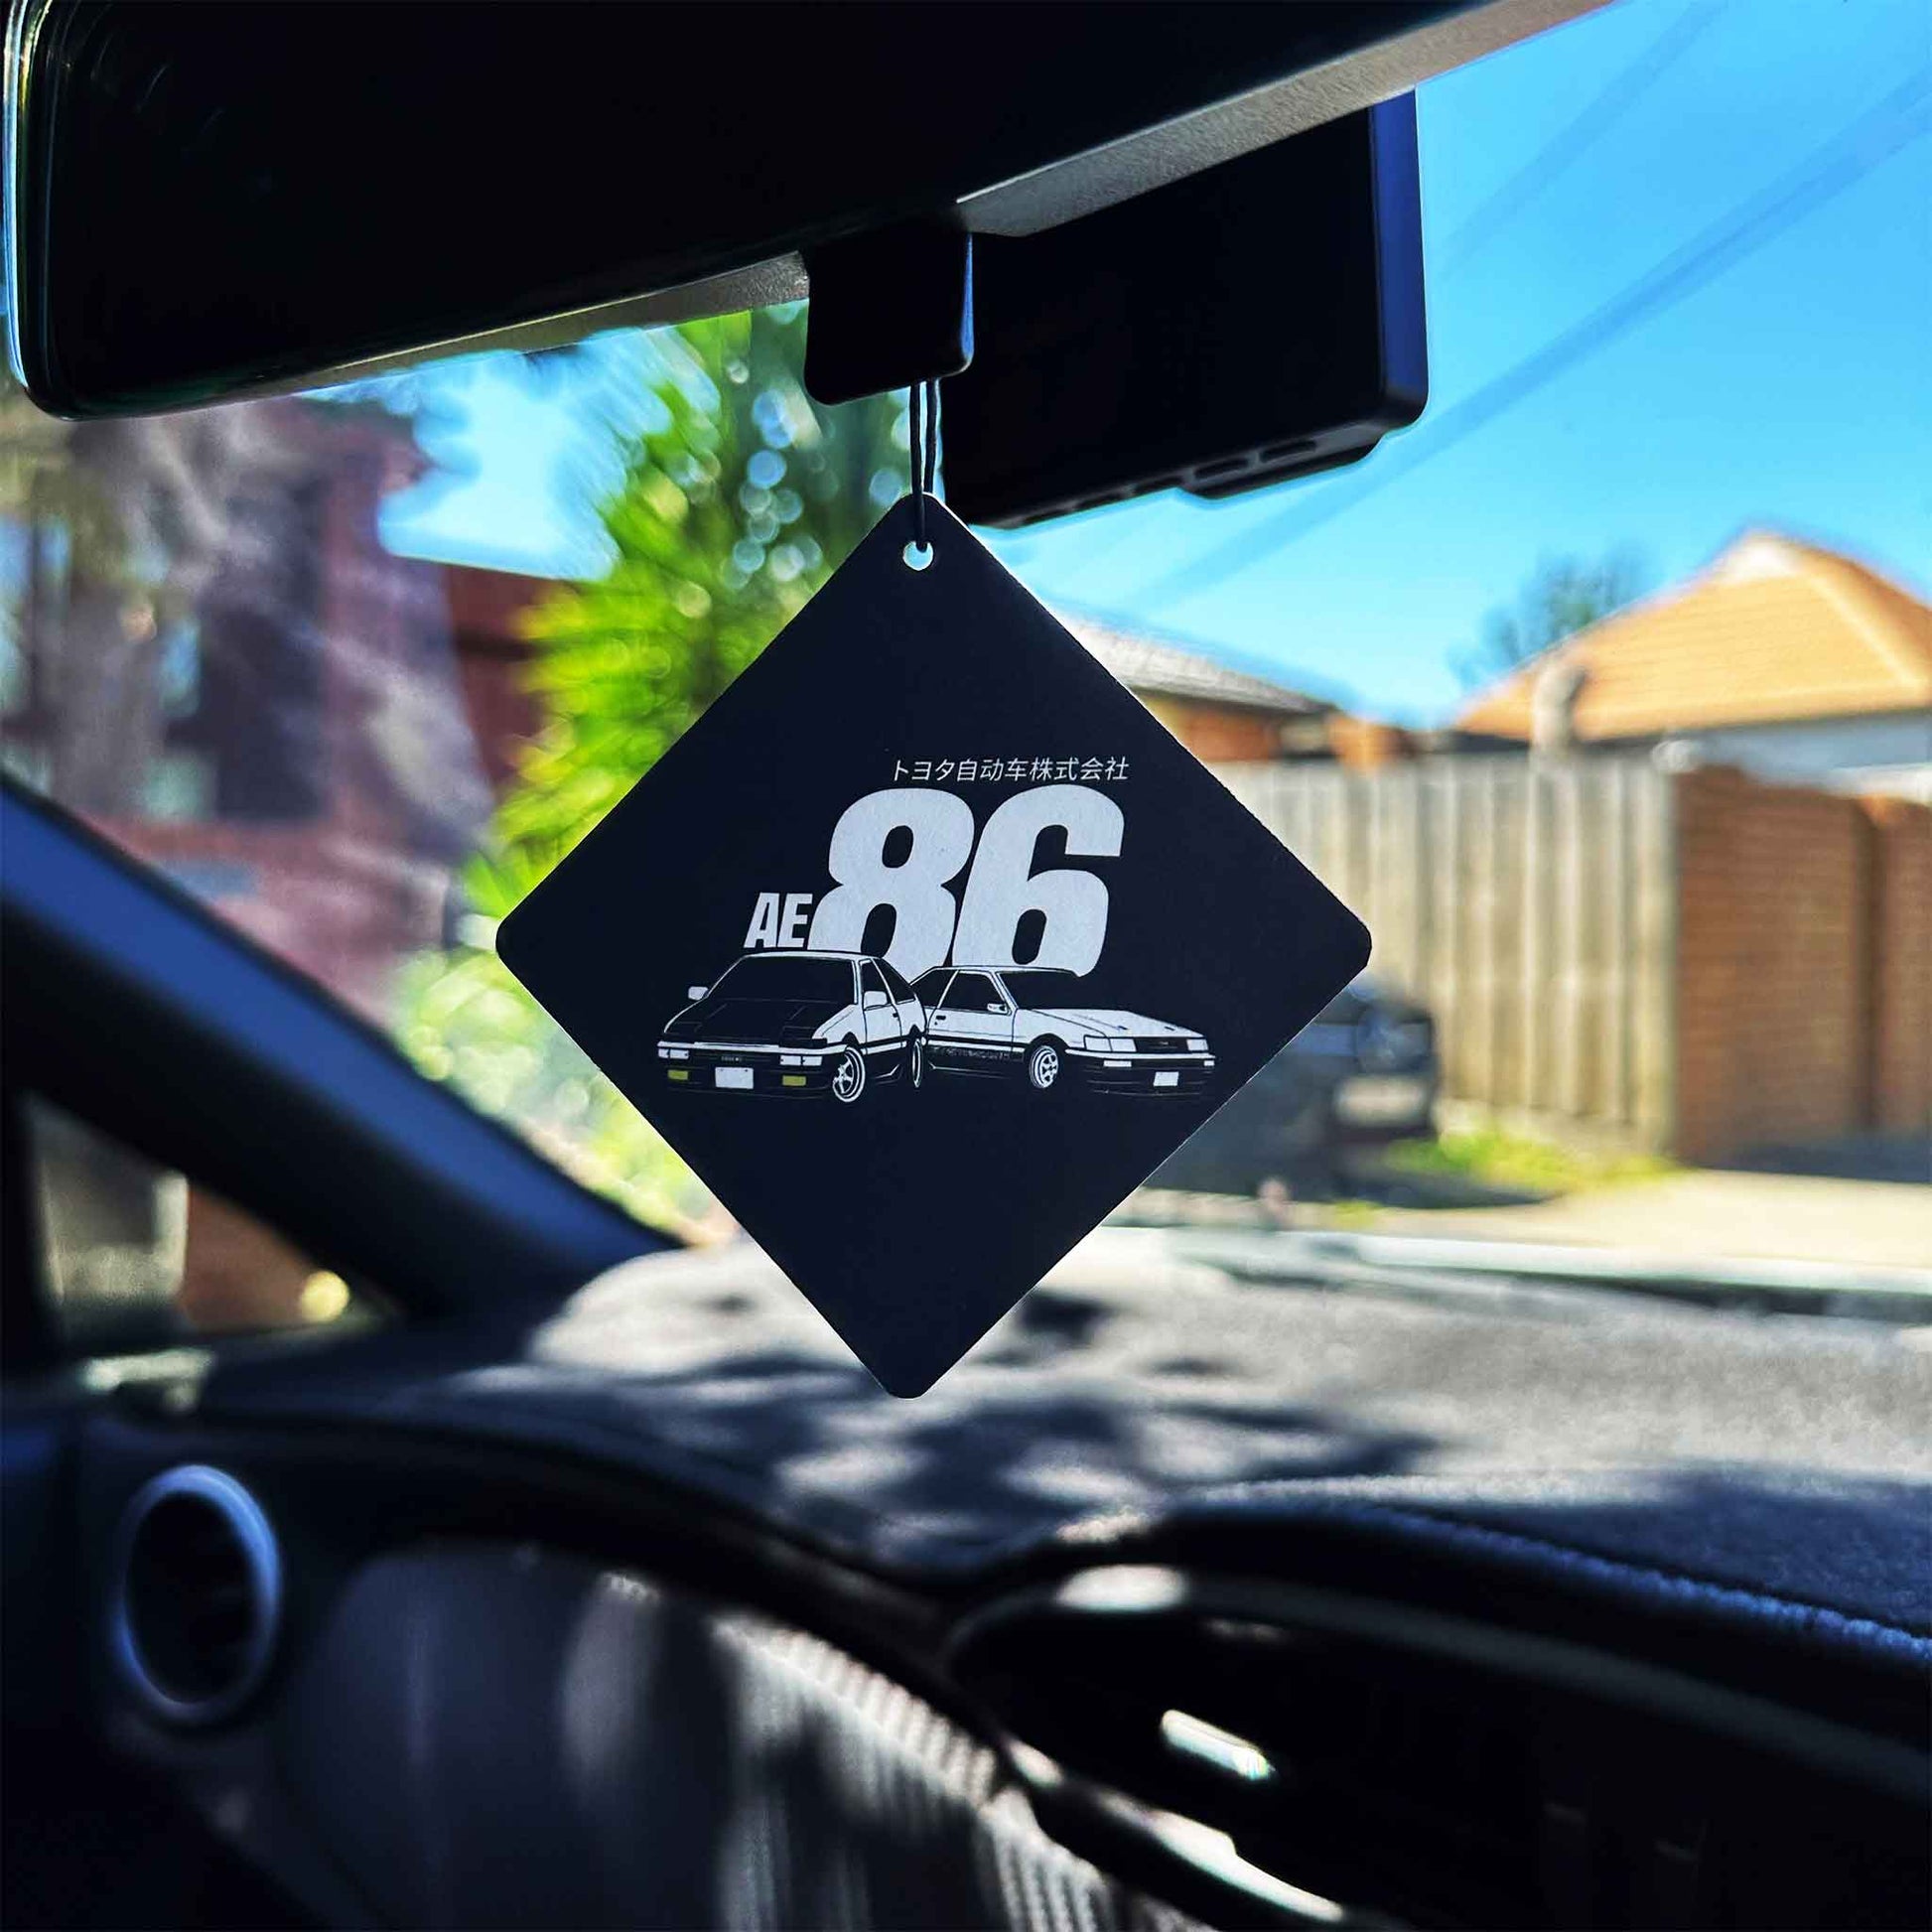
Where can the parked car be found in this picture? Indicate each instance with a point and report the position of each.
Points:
(1031, 1022)
(797, 1022)
(1362, 1073)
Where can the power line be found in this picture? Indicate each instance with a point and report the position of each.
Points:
(1503, 204)
(1495, 212)
(1873, 139)
(1575, 137)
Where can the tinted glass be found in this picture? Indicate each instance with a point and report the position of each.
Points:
(781, 976)
(1113, 983)
(1043, 989)
(972, 992)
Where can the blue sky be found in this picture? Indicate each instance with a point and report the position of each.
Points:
(1792, 388)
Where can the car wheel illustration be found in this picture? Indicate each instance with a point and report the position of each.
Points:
(1045, 1066)
(849, 1077)
(916, 1061)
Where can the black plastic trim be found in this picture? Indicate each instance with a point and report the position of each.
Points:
(131, 1006)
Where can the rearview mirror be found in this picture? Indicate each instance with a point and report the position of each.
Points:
(877, 1002)
(695, 992)
(210, 201)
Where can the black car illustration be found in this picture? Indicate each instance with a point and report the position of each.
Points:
(1042, 1024)
(797, 1021)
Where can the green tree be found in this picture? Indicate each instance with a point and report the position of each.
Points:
(735, 501)
(1565, 595)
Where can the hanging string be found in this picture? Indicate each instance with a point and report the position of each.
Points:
(916, 460)
(922, 419)
(932, 474)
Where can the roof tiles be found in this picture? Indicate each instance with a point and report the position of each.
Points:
(1773, 630)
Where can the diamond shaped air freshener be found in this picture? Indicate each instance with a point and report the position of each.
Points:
(926, 945)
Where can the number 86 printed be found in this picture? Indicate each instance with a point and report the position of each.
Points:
(983, 926)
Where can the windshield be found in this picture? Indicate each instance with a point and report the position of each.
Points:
(771, 976)
(1604, 694)
(1058, 989)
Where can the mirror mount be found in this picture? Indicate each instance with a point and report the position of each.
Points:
(888, 309)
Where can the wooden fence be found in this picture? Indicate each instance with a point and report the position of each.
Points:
(1531, 906)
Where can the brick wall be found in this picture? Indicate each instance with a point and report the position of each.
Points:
(1803, 924)
(1698, 963)
(487, 612)
(1900, 998)
(504, 712)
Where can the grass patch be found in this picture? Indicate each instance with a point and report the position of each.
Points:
(1498, 1156)
(1351, 1216)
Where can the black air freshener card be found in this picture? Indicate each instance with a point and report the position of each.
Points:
(926, 945)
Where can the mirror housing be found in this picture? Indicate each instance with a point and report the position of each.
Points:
(212, 202)
(695, 992)
(877, 1002)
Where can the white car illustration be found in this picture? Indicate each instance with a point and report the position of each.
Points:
(1033, 1023)
(797, 1021)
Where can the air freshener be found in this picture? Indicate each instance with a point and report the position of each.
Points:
(927, 944)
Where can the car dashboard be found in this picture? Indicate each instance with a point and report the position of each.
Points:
(540, 1642)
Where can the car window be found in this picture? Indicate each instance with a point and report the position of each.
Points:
(896, 984)
(786, 976)
(135, 1256)
(972, 992)
(870, 980)
(1599, 694)
(1045, 989)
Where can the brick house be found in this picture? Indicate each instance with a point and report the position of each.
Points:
(1792, 662)
(283, 745)
(1790, 688)
(1699, 916)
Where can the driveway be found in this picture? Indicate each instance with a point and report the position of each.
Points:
(1711, 1215)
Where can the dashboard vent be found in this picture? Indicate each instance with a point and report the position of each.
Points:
(1340, 1758)
(196, 1595)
